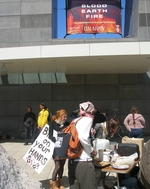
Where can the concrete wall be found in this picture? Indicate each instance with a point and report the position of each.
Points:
(105, 91)
(29, 23)
(144, 20)
(24, 22)
(137, 21)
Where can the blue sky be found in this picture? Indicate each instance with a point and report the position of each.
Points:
(62, 24)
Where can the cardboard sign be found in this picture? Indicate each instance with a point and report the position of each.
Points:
(40, 152)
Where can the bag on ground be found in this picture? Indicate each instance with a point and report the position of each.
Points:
(74, 147)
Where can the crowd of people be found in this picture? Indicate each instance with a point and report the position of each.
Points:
(31, 122)
(91, 124)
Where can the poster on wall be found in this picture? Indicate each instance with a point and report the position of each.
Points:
(93, 16)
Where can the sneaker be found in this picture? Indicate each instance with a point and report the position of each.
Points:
(25, 144)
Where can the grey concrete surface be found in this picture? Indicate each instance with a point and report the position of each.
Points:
(17, 150)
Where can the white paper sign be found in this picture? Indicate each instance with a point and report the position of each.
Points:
(41, 151)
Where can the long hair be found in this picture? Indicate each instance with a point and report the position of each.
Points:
(112, 125)
(133, 111)
(58, 114)
(45, 108)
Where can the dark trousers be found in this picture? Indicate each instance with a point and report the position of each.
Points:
(28, 134)
(81, 175)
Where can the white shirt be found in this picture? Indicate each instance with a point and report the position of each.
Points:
(83, 127)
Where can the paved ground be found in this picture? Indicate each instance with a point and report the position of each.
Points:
(17, 150)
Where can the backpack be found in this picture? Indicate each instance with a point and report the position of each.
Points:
(74, 147)
(49, 117)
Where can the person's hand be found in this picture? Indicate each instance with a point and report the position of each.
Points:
(93, 131)
(93, 153)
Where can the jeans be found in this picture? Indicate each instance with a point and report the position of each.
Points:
(136, 133)
(28, 134)
(131, 182)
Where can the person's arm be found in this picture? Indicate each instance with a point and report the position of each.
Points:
(142, 120)
(51, 128)
(84, 127)
(99, 131)
(126, 123)
(34, 117)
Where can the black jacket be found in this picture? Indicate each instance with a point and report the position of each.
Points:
(98, 118)
(29, 119)
(55, 126)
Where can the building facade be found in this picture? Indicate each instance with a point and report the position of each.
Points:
(27, 27)
(137, 19)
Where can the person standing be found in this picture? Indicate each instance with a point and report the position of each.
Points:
(57, 124)
(29, 120)
(81, 171)
(98, 117)
(42, 116)
(134, 123)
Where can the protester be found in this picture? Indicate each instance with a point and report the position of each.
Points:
(98, 117)
(106, 129)
(57, 124)
(134, 123)
(81, 171)
(43, 116)
(29, 120)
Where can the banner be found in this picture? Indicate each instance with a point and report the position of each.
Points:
(40, 152)
(93, 16)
